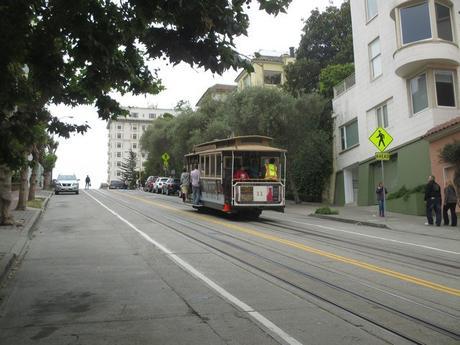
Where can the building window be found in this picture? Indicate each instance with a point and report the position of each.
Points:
(135, 115)
(118, 154)
(134, 136)
(445, 91)
(371, 9)
(134, 146)
(375, 58)
(415, 23)
(143, 127)
(349, 135)
(119, 127)
(418, 93)
(382, 115)
(118, 145)
(443, 22)
(118, 164)
(272, 77)
(134, 128)
(152, 116)
(118, 135)
(118, 173)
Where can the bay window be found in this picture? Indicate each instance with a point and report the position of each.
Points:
(349, 135)
(418, 91)
(415, 23)
(445, 90)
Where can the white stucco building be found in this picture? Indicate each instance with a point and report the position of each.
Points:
(406, 79)
(124, 135)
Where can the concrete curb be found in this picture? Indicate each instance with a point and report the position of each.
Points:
(350, 221)
(21, 244)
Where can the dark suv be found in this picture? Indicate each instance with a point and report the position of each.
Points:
(171, 186)
(117, 184)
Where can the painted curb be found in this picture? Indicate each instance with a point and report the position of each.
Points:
(350, 221)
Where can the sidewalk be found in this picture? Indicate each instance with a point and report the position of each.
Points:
(14, 238)
(368, 216)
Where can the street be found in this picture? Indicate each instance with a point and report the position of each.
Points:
(128, 267)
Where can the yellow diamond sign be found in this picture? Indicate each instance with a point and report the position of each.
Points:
(165, 157)
(381, 139)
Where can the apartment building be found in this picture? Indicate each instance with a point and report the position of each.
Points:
(406, 80)
(124, 135)
(268, 71)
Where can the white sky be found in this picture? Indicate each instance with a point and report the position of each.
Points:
(87, 154)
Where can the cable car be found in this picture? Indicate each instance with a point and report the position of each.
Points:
(240, 175)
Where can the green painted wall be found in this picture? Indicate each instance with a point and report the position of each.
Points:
(339, 195)
(409, 166)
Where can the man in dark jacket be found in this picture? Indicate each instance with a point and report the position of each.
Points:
(433, 201)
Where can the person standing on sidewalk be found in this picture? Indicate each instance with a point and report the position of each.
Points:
(195, 178)
(450, 203)
(433, 201)
(381, 192)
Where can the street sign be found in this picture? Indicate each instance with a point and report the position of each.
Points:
(381, 139)
(165, 157)
(382, 156)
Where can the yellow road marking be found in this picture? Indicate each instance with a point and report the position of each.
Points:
(361, 264)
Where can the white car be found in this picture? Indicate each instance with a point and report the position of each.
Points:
(158, 185)
(66, 183)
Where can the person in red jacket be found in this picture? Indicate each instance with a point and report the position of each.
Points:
(240, 174)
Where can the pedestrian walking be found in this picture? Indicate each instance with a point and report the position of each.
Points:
(184, 184)
(87, 182)
(433, 201)
(450, 203)
(195, 179)
(381, 192)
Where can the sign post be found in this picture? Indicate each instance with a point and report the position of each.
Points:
(381, 139)
(165, 157)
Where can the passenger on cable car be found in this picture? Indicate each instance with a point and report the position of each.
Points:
(240, 174)
(271, 170)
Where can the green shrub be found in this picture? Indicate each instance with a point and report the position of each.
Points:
(326, 210)
(404, 193)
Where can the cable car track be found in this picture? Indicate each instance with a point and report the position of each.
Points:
(264, 272)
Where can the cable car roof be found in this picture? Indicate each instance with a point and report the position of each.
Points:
(247, 143)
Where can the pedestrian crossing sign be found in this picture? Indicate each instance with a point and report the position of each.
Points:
(381, 139)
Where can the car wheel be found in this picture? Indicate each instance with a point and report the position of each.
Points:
(77, 192)
(56, 192)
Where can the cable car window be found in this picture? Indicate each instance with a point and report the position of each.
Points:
(213, 165)
(207, 166)
(202, 166)
(218, 165)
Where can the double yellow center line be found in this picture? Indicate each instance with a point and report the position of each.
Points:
(297, 245)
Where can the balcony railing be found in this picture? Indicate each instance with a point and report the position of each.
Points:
(344, 85)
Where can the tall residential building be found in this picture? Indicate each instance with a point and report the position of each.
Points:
(268, 71)
(124, 135)
(406, 80)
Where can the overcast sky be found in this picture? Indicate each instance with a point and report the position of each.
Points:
(87, 154)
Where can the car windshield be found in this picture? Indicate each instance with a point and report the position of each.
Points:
(164, 179)
(67, 177)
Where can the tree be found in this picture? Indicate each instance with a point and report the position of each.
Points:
(327, 39)
(331, 76)
(301, 125)
(80, 52)
(48, 160)
(128, 170)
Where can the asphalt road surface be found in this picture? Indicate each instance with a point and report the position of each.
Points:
(127, 267)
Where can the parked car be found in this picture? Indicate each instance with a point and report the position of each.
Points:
(158, 185)
(66, 183)
(171, 186)
(148, 186)
(117, 184)
(104, 185)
